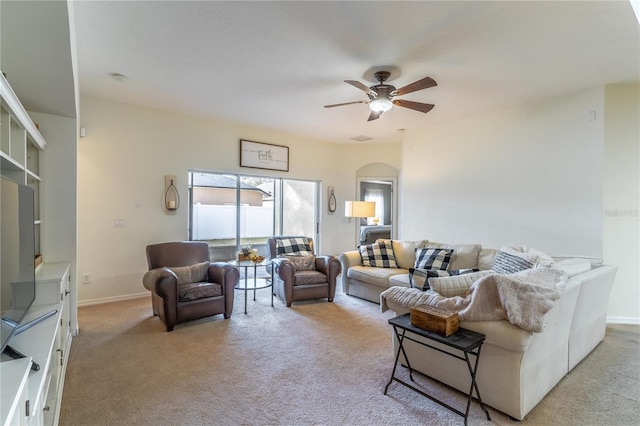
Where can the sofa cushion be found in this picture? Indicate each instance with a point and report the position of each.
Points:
(192, 273)
(400, 280)
(486, 258)
(538, 257)
(465, 256)
(374, 276)
(378, 254)
(405, 252)
(433, 258)
(573, 266)
(594, 261)
(455, 285)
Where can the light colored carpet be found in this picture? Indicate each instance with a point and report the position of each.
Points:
(316, 363)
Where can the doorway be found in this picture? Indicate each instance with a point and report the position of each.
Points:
(382, 191)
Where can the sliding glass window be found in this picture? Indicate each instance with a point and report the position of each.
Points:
(233, 211)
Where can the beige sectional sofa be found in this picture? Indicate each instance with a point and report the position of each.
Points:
(367, 283)
(517, 368)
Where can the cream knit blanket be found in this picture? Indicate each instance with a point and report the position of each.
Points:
(522, 298)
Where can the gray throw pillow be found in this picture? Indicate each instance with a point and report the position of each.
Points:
(302, 263)
(191, 274)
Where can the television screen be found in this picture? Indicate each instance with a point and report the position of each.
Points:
(17, 251)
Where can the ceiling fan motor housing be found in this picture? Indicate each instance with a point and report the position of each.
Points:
(382, 91)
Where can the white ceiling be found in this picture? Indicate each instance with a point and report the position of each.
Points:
(275, 64)
(35, 55)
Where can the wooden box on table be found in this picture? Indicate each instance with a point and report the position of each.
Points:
(434, 319)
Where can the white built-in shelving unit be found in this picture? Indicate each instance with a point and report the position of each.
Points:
(33, 397)
(21, 145)
(30, 397)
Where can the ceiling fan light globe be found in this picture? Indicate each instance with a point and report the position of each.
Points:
(380, 105)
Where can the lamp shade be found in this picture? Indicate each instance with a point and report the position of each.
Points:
(359, 208)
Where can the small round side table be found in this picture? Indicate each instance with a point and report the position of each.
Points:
(247, 264)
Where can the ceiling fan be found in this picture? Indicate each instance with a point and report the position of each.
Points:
(382, 96)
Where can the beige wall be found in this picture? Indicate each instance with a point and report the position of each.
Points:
(622, 198)
(127, 152)
(534, 175)
(531, 174)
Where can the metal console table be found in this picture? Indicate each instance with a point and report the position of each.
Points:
(466, 341)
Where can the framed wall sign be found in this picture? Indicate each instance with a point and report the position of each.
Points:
(264, 156)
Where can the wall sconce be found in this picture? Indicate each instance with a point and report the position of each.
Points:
(332, 200)
(171, 196)
(359, 209)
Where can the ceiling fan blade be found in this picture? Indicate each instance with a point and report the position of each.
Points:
(360, 86)
(374, 115)
(425, 83)
(345, 103)
(418, 106)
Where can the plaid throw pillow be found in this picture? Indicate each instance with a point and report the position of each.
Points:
(418, 277)
(292, 245)
(433, 258)
(378, 254)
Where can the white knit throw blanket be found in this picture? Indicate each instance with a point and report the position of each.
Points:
(522, 298)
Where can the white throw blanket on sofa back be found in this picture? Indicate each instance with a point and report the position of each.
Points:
(522, 298)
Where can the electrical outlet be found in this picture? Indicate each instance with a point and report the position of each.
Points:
(86, 278)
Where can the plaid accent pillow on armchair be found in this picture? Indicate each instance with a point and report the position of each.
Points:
(291, 245)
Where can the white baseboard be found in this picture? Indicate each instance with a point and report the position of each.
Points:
(112, 299)
(623, 320)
